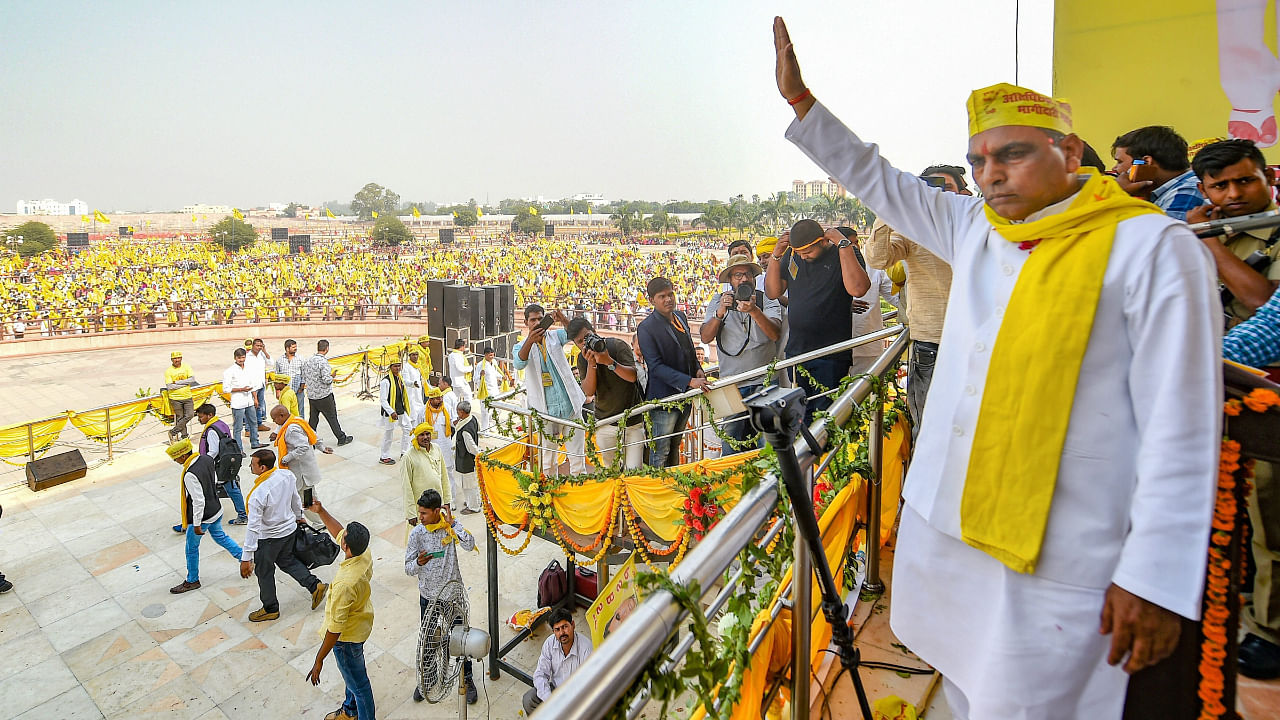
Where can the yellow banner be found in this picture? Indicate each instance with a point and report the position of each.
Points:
(616, 599)
(15, 442)
(1225, 85)
(123, 419)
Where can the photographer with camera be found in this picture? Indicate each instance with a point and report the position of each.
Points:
(608, 372)
(550, 387)
(745, 326)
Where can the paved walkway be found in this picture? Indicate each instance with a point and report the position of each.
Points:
(91, 631)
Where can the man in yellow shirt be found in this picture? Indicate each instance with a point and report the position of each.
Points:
(178, 380)
(284, 394)
(348, 618)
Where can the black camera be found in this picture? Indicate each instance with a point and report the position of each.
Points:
(744, 292)
(594, 342)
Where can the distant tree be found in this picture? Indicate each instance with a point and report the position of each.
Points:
(374, 198)
(527, 222)
(389, 230)
(426, 208)
(716, 217)
(627, 219)
(291, 210)
(36, 237)
(233, 234)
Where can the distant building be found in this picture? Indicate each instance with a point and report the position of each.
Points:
(593, 198)
(49, 206)
(816, 188)
(207, 209)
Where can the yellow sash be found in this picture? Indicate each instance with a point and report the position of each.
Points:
(260, 479)
(1035, 366)
(431, 414)
(451, 537)
(182, 489)
(281, 448)
(395, 392)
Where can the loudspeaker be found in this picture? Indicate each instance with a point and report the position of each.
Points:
(506, 308)
(501, 346)
(124, 231)
(55, 469)
(491, 310)
(435, 305)
(478, 317)
(457, 306)
(298, 243)
(436, 346)
(446, 236)
(280, 233)
(549, 230)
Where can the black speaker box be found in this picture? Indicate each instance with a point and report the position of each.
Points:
(298, 243)
(506, 308)
(457, 306)
(280, 233)
(491, 324)
(478, 317)
(77, 239)
(436, 346)
(446, 236)
(435, 305)
(55, 469)
(124, 231)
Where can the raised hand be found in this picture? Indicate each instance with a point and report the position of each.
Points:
(787, 69)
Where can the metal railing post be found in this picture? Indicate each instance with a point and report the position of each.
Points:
(801, 626)
(875, 452)
(110, 449)
(491, 553)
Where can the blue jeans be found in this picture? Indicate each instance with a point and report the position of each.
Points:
(245, 417)
(193, 546)
(302, 402)
(827, 372)
(665, 451)
(237, 496)
(359, 700)
(261, 394)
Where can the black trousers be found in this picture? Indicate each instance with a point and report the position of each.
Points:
(327, 406)
(273, 552)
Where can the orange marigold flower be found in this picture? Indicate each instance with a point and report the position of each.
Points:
(1232, 407)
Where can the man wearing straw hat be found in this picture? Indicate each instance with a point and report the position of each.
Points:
(178, 381)
(201, 510)
(745, 331)
(1059, 502)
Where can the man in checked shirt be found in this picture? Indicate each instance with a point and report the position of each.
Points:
(432, 556)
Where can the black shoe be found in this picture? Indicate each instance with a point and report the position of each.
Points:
(5, 586)
(417, 695)
(346, 441)
(472, 695)
(1259, 659)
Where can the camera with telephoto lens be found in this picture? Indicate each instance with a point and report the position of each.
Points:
(594, 342)
(744, 292)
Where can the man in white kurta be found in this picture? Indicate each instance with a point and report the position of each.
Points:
(1129, 520)
(460, 370)
(413, 386)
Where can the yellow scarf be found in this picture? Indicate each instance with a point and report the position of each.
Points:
(281, 448)
(431, 414)
(182, 491)
(1035, 366)
(450, 537)
(260, 479)
(395, 392)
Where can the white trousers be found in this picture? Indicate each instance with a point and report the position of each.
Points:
(405, 424)
(466, 490)
(575, 447)
(632, 439)
(417, 413)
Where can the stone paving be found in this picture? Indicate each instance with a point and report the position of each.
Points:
(91, 630)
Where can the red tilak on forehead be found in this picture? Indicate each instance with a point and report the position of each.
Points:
(985, 148)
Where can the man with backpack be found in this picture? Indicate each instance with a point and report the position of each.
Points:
(217, 442)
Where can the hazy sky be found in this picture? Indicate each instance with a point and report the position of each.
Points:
(153, 105)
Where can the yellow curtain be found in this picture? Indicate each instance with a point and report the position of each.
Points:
(657, 503)
(585, 509)
(346, 366)
(124, 418)
(500, 487)
(13, 439)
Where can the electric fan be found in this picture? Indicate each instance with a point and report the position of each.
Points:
(445, 642)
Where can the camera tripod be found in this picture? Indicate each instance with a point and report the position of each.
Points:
(778, 413)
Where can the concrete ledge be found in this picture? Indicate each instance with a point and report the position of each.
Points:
(30, 346)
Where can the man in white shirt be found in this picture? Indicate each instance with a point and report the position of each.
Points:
(1059, 502)
(393, 396)
(562, 653)
(466, 446)
(413, 386)
(238, 383)
(256, 364)
(275, 511)
(488, 384)
(460, 369)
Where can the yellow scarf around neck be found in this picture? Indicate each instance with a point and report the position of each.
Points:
(395, 392)
(258, 481)
(431, 414)
(281, 448)
(450, 537)
(182, 485)
(1035, 366)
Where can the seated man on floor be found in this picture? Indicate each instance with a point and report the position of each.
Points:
(562, 654)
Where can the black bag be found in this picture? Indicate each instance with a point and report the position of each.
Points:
(313, 547)
(553, 584)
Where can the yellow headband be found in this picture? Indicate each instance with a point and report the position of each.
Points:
(424, 427)
(424, 339)
(178, 449)
(1004, 104)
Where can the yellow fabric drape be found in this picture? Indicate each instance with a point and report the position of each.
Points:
(1035, 366)
(123, 419)
(500, 486)
(281, 448)
(657, 503)
(13, 439)
(585, 508)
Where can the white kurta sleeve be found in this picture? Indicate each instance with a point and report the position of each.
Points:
(931, 217)
(1174, 319)
(384, 396)
(196, 492)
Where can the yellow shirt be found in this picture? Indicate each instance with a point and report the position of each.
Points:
(174, 374)
(347, 610)
(289, 399)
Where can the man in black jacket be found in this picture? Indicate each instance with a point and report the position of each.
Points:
(673, 368)
(201, 510)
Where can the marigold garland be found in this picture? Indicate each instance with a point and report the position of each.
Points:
(678, 546)
(568, 544)
(491, 519)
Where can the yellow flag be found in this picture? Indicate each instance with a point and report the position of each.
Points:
(375, 214)
(455, 213)
(328, 212)
(416, 213)
(130, 228)
(479, 212)
(194, 220)
(85, 218)
(570, 210)
(236, 212)
(97, 215)
(588, 209)
(533, 210)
